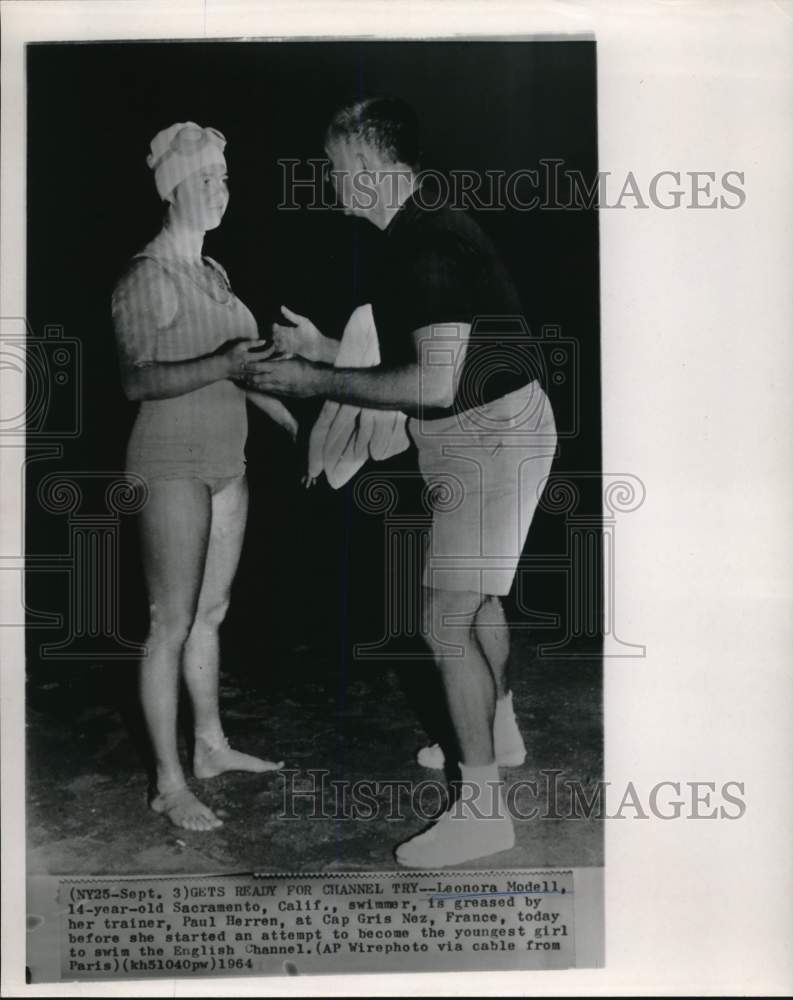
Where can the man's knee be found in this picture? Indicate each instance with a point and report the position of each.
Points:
(448, 616)
(491, 614)
(490, 607)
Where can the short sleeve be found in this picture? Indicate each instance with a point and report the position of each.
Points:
(439, 285)
(144, 302)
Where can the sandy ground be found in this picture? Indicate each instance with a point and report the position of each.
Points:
(87, 780)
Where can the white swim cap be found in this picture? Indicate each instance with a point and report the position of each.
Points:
(181, 150)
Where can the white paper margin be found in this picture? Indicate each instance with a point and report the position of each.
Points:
(697, 334)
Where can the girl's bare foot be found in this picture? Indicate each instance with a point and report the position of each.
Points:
(210, 761)
(183, 809)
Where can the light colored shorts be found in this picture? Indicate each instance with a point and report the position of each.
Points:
(485, 470)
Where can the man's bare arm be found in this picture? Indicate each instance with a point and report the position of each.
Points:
(430, 381)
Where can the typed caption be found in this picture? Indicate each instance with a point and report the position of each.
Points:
(183, 926)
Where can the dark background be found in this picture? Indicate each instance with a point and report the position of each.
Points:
(311, 576)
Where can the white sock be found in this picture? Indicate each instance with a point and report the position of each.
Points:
(504, 709)
(480, 795)
(462, 833)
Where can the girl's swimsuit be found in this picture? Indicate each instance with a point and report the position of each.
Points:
(166, 308)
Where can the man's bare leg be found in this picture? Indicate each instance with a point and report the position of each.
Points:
(491, 632)
(467, 679)
(477, 825)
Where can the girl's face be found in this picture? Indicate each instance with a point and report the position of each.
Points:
(200, 200)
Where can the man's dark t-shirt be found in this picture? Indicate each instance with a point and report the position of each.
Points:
(439, 268)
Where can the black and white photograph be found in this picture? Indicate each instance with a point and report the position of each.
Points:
(330, 519)
(382, 580)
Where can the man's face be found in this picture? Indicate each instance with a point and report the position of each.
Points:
(348, 166)
(367, 185)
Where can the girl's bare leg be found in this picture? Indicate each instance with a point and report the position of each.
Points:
(213, 756)
(174, 533)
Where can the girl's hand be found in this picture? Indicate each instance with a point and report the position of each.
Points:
(303, 338)
(236, 354)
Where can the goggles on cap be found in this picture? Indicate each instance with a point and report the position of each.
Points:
(190, 140)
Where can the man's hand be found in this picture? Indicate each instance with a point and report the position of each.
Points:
(295, 377)
(303, 338)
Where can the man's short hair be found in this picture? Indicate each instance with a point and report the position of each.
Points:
(388, 124)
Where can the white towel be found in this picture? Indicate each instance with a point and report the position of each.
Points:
(344, 436)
